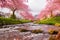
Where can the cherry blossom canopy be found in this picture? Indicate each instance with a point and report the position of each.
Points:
(52, 6)
(15, 5)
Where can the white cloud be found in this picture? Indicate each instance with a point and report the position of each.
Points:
(36, 5)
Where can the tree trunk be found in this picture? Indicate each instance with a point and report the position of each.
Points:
(13, 15)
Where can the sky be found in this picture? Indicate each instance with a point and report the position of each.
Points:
(36, 6)
(5, 10)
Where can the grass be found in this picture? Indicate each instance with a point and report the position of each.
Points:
(10, 21)
(7, 21)
(50, 21)
(25, 21)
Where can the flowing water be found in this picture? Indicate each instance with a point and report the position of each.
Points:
(12, 32)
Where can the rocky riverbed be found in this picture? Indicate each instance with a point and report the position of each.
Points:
(11, 32)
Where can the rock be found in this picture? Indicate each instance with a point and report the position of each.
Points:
(58, 36)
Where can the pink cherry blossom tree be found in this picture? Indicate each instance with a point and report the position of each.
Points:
(13, 4)
(50, 7)
(17, 5)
